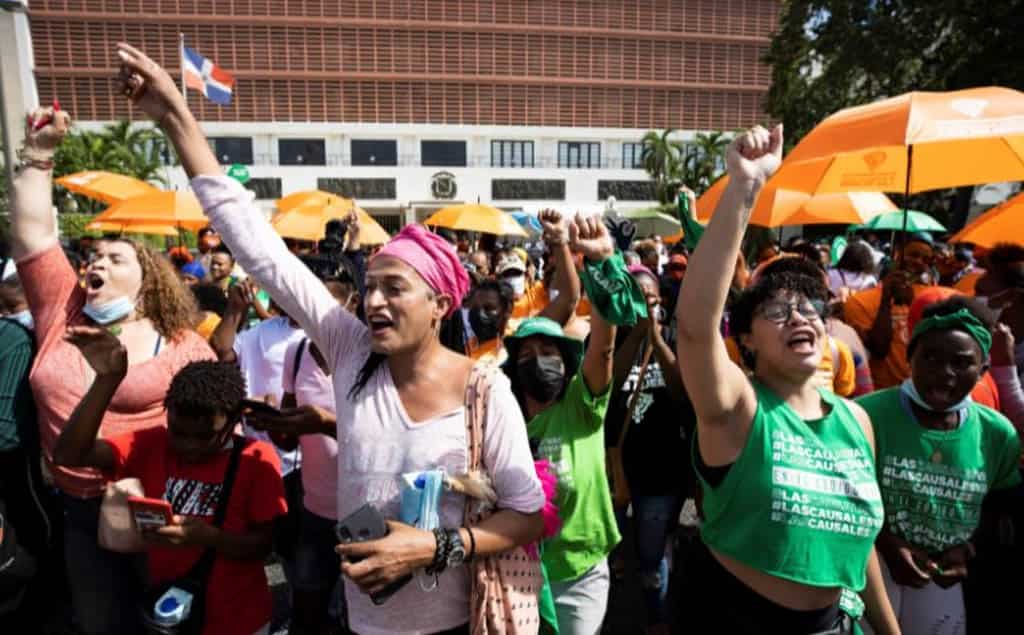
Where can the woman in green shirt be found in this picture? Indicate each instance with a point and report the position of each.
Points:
(940, 455)
(790, 502)
(564, 394)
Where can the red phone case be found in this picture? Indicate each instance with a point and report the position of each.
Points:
(150, 513)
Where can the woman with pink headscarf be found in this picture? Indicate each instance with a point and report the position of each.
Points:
(400, 393)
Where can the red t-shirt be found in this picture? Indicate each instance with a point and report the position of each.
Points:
(238, 600)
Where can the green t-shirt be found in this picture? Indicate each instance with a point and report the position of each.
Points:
(933, 481)
(801, 501)
(571, 434)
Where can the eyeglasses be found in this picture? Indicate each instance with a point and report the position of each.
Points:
(778, 311)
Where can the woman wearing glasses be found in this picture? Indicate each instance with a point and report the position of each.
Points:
(786, 472)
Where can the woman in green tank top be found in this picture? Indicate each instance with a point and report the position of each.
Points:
(790, 501)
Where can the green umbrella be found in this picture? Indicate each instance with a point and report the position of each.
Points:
(652, 221)
(894, 221)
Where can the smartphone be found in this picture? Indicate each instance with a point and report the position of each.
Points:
(260, 407)
(150, 513)
(363, 525)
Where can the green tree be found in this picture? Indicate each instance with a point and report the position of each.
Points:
(831, 54)
(670, 163)
(661, 157)
(704, 160)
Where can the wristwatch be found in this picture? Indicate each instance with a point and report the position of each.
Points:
(456, 550)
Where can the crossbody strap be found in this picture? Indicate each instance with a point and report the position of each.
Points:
(298, 359)
(200, 571)
(633, 398)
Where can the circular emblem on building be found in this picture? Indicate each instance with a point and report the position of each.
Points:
(442, 185)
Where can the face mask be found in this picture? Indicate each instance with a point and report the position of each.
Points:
(910, 390)
(518, 284)
(484, 324)
(23, 318)
(108, 312)
(542, 377)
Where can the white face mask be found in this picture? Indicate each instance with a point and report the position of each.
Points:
(23, 318)
(518, 284)
(109, 312)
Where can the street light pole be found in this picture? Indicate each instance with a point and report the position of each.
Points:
(18, 93)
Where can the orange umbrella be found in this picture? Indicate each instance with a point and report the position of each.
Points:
(315, 198)
(912, 143)
(478, 218)
(179, 209)
(777, 207)
(308, 222)
(1001, 224)
(101, 225)
(107, 187)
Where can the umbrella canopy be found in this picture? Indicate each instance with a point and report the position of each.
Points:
(652, 221)
(308, 222)
(478, 218)
(107, 187)
(1001, 224)
(529, 222)
(315, 198)
(178, 209)
(778, 207)
(107, 226)
(912, 143)
(914, 222)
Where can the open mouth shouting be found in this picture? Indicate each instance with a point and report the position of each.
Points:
(802, 341)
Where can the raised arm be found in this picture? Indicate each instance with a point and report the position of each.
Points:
(565, 280)
(33, 227)
(590, 237)
(720, 392)
(252, 240)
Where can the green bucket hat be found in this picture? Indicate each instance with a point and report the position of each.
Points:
(572, 349)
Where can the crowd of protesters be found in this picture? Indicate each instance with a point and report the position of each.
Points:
(847, 425)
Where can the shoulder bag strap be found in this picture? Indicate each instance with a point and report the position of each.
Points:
(633, 398)
(478, 390)
(298, 359)
(200, 571)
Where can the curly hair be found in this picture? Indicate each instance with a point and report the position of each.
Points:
(207, 388)
(162, 297)
(857, 258)
(811, 287)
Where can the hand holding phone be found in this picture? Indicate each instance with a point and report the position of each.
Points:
(150, 513)
(363, 525)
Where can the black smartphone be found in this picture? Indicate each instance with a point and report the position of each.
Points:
(363, 525)
(260, 407)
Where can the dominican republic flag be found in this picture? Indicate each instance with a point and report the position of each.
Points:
(203, 75)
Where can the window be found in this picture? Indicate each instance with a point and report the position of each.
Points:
(579, 154)
(450, 154)
(265, 187)
(374, 152)
(511, 154)
(301, 152)
(359, 188)
(626, 190)
(231, 150)
(632, 156)
(528, 189)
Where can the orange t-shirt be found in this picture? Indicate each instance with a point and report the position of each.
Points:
(860, 312)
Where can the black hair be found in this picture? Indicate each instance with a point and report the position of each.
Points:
(1000, 258)
(770, 283)
(211, 298)
(368, 370)
(223, 249)
(857, 258)
(206, 388)
(952, 305)
(204, 231)
(504, 290)
(332, 266)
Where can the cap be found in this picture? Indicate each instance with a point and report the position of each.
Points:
(510, 262)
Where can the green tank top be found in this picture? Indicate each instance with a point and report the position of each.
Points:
(801, 502)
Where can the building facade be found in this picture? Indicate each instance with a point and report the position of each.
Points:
(408, 105)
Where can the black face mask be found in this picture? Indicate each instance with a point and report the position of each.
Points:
(484, 324)
(542, 377)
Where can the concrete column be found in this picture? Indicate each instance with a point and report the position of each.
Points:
(17, 83)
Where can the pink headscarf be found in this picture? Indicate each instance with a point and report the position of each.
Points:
(434, 258)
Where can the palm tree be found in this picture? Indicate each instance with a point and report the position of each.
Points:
(661, 158)
(707, 155)
(120, 147)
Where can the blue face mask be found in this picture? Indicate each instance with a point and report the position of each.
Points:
(108, 312)
(23, 318)
(908, 389)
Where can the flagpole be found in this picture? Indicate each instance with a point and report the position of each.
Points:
(181, 60)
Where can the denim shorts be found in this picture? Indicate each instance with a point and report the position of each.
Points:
(317, 566)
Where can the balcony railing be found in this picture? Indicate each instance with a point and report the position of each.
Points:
(548, 163)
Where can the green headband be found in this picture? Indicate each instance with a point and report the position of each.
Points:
(962, 320)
